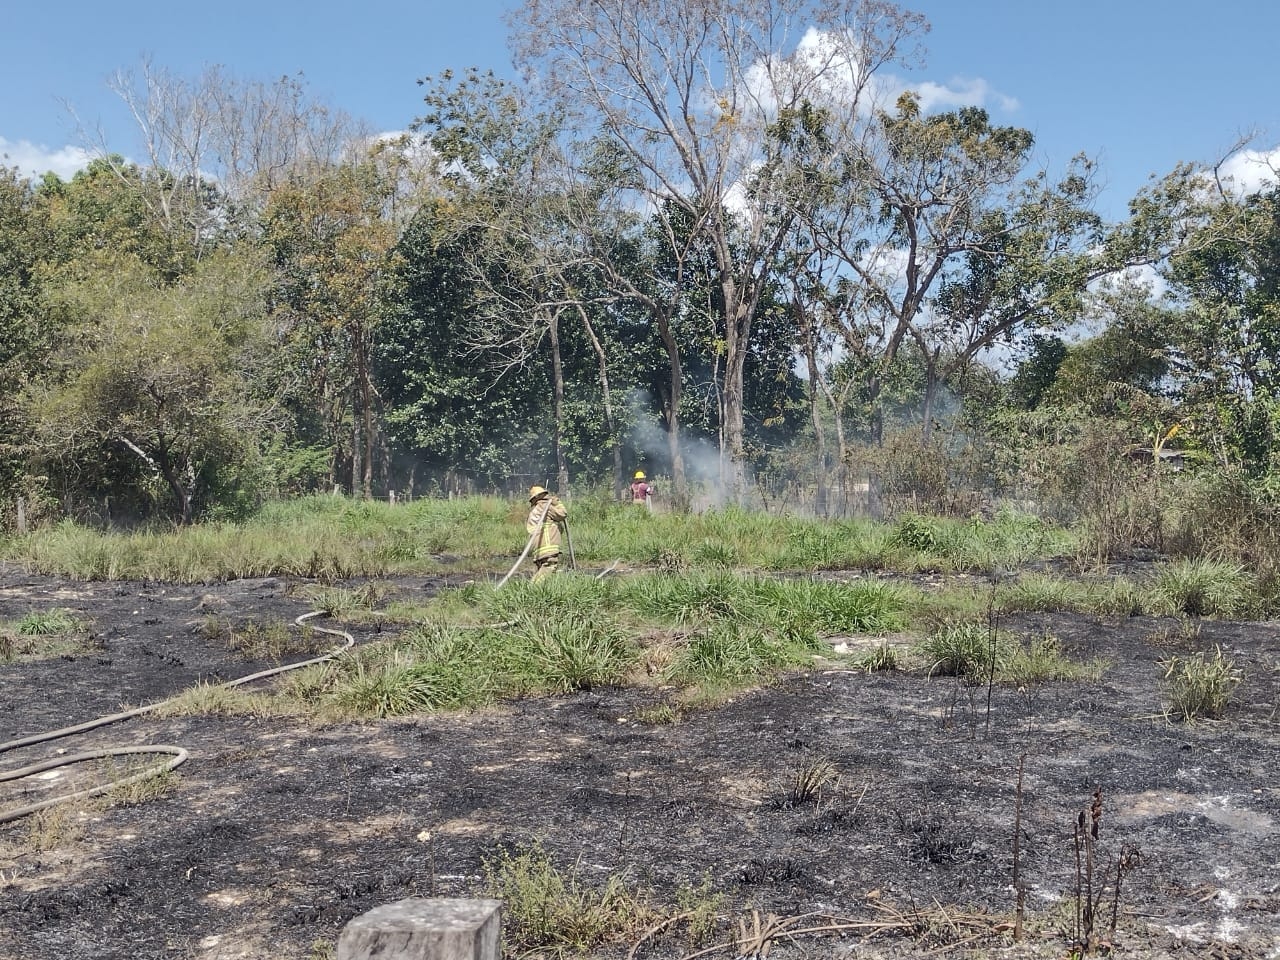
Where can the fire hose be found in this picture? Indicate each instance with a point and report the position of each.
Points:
(178, 755)
(537, 531)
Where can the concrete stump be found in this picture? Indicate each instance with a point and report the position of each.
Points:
(422, 929)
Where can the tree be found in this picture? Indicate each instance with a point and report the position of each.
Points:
(216, 146)
(513, 187)
(950, 252)
(152, 391)
(100, 216)
(25, 334)
(1225, 350)
(333, 249)
(686, 93)
(445, 411)
(1127, 358)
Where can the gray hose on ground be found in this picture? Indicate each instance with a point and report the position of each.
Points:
(537, 530)
(180, 755)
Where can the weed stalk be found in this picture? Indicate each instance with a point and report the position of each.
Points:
(1019, 890)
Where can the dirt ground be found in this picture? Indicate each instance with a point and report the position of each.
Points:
(275, 833)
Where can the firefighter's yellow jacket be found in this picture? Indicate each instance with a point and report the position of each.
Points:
(548, 542)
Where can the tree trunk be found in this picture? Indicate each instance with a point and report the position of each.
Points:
(926, 406)
(355, 443)
(610, 425)
(366, 411)
(805, 323)
(181, 493)
(557, 376)
(738, 309)
(679, 481)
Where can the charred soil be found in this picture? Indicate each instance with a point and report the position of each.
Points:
(277, 831)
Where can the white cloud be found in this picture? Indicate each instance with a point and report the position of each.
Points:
(35, 160)
(825, 67)
(1250, 171)
(887, 264)
(1146, 276)
(957, 92)
(821, 69)
(961, 92)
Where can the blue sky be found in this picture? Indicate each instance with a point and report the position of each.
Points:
(1139, 86)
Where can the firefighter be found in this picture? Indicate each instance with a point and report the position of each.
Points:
(546, 524)
(640, 490)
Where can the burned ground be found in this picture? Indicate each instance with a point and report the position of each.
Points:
(278, 831)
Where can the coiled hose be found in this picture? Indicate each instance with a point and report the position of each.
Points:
(178, 755)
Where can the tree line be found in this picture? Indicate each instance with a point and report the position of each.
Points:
(710, 240)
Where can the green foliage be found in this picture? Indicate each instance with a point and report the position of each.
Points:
(274, 641)
(340, 602)
(996, 546)
(321, 537)
(1117, 596)
(157, 400)
(42, 634)
(1043, 594)
(1204, 588)
(693, 598)
(215, 699)
(864, 606)
(139, 791)
(883, 657)
(701, 905)
(1042, 660)
(440, 667)
(53, 622)
(377, 684)
(565, 652)
(915, 532)
(727, 653)
(966, 650)
(1196, 687)
(818, 546)
(547, 909)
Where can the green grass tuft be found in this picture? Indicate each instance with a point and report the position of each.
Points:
(1197, 687)
(1204, 588)
(966, 650)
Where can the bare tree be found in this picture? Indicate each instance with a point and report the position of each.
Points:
(516, 190)
(216, 146)
(688, 92)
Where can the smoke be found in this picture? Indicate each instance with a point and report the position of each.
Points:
(648, 445)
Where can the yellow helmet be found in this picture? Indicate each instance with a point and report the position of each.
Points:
(639, 475)
(536, 493)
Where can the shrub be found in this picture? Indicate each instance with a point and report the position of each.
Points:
(916, 532)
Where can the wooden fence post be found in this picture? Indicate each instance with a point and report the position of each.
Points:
(425, 929)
